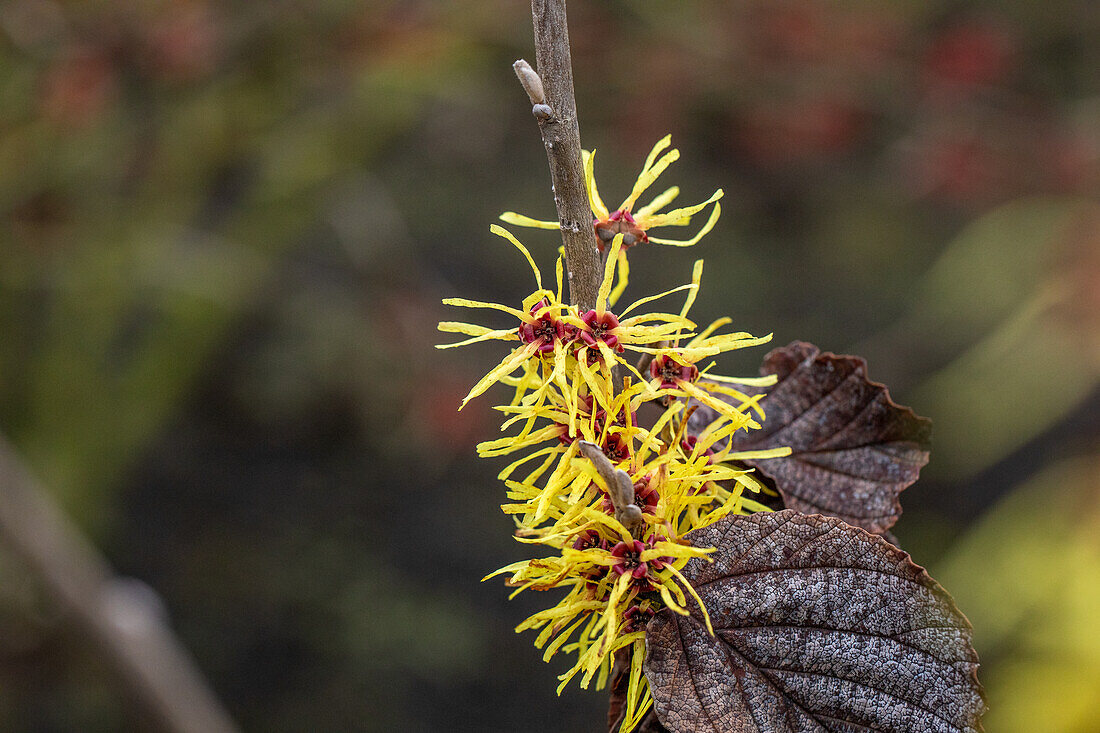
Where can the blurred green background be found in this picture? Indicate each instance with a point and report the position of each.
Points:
(227, 228)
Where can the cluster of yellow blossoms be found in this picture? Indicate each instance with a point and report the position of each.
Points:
(572, 385)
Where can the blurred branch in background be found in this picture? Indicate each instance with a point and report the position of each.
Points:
(122, 617)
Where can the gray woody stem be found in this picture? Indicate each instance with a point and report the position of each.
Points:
(557, 118)
(121, 617)
(619, 487)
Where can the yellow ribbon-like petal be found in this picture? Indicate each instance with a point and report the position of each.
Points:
(663, 143)
(622, 279)
(608, 275)
(502, 232)
(676, 217)
(507, 366)
(589, 162)
(648, 177)
(767, 381)
(464, 303)
(484, 334)
(663, 199)
(519, 220)
(702, 232)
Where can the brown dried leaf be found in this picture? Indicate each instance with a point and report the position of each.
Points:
(820, 626)
(854, 449)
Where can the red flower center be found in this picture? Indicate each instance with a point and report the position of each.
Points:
(629, 559)
(636, 618)
(545, 331)
(659, 562)
(671, 372)
(620, 222)
(616, 448)
(587, 540)
(600, 328)
(688, 444)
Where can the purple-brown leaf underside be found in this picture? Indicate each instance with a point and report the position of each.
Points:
(854, 449)
(819, 626)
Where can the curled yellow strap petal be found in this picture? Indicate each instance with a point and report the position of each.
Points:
(672, 549)
(677, 217)
(519, 220)
(569, 675)
(702, 232)
(626, 640)
(634, 338)
(691, 590)
(551, 454)
(696, 277)
(502, 232)
(561, 639)
(736, 394)
(597, 516)
(747, 455)
(666, 595)
(571, 318)
(617, 593)
(510, 443)
(507, 569)
(608, 275)
(464, 303)
(506, 334)
(675, 354)
(623, 278)
(633, 370)
(717, 405)
(601, 392)
(507, 366)
(594, 200)
(649, 176)
(767, 381)
(467, 329)
(559, 375)
(663, 199)
(632, 715)
(731, 506)
(746, 402)
(559, 276)
(555, 481)
(651, 298)
(729, 342)
(663, 143)
(652, 443)
(724, 320)
(645, 699)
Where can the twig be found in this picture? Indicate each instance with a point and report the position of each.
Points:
(557, 117)
(619, 487)
(122, 616)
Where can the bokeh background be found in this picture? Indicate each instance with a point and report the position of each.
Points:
(227, 226)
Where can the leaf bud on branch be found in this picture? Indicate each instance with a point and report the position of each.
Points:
(620, 487)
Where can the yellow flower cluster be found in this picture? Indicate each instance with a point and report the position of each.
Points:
(573, 386)
(635, 225)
